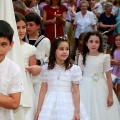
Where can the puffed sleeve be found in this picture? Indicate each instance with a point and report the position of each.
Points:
(80, 62)
(45, 7)
(43, 74)
(32, 50)
(76, 74)
(106, 64)
(64, 8)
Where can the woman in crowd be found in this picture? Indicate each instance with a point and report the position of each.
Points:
(84, 21)
(107, 22)
(54, 17)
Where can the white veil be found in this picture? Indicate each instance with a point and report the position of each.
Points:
(7, 14)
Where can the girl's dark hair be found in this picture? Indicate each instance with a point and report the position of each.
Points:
(19, 17)
(80, 41)
(52, 57)
(114, 45)
(51, 3)
(85, 49)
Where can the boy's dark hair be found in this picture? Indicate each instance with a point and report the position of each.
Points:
(114, 45)
(85, 49)
(52, 57)
(34, 17)
(6, 30)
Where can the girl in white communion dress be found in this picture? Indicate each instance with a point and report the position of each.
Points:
(59, 97)
(96, 89)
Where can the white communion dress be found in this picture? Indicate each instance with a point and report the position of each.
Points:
(27, 51)
(94, 88)
(58, 103)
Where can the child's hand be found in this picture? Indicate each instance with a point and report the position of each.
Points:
(36, 116)
(114, 62)
(109, 101)
(77, 116)
(118, 62)
(34, 69)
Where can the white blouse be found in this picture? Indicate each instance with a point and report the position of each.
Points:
(11, 81)
(84, 24)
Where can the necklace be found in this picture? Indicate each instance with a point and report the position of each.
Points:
(59, 70)
(59, 73)
(58, 78)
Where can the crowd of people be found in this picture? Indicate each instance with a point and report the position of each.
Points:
(71, 55)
